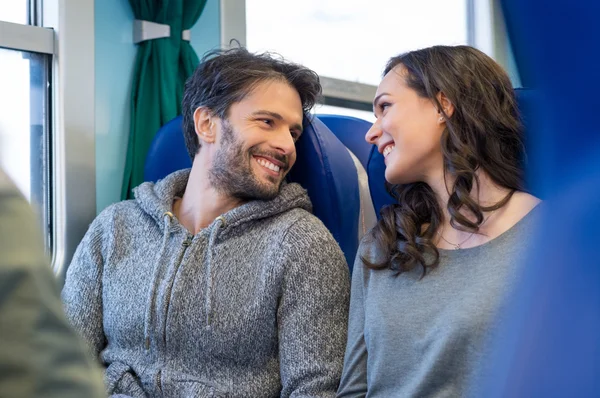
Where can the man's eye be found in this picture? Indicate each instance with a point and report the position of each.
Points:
(268, 122)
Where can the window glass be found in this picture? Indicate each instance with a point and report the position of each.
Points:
(337, 110)
(16, 11)
(352, 39)
(24, 140)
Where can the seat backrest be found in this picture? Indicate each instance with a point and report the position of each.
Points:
(526, 100)
(535, 143)
(324, 167)
(351, 132)
(167, 152)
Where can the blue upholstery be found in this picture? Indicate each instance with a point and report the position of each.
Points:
(549, 345)
(377, 183)
(351, 132)
(323, 167)
(526, 100)
(326, 170)
(167, 152)
(536, 145)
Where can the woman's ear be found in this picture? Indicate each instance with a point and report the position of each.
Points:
(447, 106)
(203, 122)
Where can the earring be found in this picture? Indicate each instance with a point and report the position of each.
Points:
(441, 119)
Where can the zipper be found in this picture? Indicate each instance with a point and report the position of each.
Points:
(159, 382)
(186, 243)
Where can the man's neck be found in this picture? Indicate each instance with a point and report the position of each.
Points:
(201, 203)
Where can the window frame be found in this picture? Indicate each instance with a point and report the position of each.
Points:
(71, 200)
(73, 125)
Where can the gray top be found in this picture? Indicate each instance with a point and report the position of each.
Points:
(254, 305)
(40, 356)
(426, 338)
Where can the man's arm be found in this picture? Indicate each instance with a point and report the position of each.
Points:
(313, 311)
(82, 292)
(354, 376)
(40, 356)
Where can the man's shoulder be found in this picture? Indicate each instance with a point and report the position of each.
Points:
(304, 231)
(119, 212)
(299, 220)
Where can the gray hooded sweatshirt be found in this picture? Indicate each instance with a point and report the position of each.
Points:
(254, 305)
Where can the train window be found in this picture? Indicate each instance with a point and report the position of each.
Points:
(26, 52)
(352, 39)
(15, 11)
(338, 110)
(24, 138)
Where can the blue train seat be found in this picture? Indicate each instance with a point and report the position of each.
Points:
(167, 152)
(549, 346)
(324, 167)
(351, 132)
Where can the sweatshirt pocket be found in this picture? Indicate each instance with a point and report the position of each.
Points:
(195, 389)
(119, 378)
(182, 385)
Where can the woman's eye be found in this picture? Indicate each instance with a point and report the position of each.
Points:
(384, 105)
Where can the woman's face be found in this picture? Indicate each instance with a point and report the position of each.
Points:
(407, 131)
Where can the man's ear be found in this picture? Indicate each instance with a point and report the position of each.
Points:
(447, 106)
(204, 124)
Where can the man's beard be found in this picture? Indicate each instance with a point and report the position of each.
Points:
(231, 173)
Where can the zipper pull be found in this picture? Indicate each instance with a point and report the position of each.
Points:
(187, 241)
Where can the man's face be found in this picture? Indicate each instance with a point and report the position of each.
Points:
(256, 145)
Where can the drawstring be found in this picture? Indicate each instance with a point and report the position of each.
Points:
(209, 282)
(167, 217)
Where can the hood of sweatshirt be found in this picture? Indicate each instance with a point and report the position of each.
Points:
(156, 199)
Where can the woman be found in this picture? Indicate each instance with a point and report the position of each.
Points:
(431, 275)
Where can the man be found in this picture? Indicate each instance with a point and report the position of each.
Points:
(217, 281)
(40, 356)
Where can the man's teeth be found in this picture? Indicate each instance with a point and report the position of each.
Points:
(388, 149)
(265, 163)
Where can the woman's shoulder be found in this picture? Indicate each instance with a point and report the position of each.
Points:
(521, 206)
(372, 249)
(525, 201)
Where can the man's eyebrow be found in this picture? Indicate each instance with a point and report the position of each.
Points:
(277, 116)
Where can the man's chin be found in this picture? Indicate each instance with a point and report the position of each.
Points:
(262, 191)
(269, 193)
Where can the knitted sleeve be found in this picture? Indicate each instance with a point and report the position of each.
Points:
(82, 292)
(354, 376)
(313, 311)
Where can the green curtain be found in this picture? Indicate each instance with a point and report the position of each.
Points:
(161, 68)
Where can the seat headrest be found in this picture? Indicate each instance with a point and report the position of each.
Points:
(526, 100)
(324, 167)
(326, 170)
(167, 152)
(351, 132)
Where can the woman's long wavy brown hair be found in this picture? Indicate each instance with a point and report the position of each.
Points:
(483, 133)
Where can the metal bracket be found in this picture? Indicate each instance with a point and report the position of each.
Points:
(146, 30)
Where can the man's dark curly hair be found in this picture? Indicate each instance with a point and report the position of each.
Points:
(225, 77)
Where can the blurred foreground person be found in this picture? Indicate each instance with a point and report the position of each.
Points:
(40, 356)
